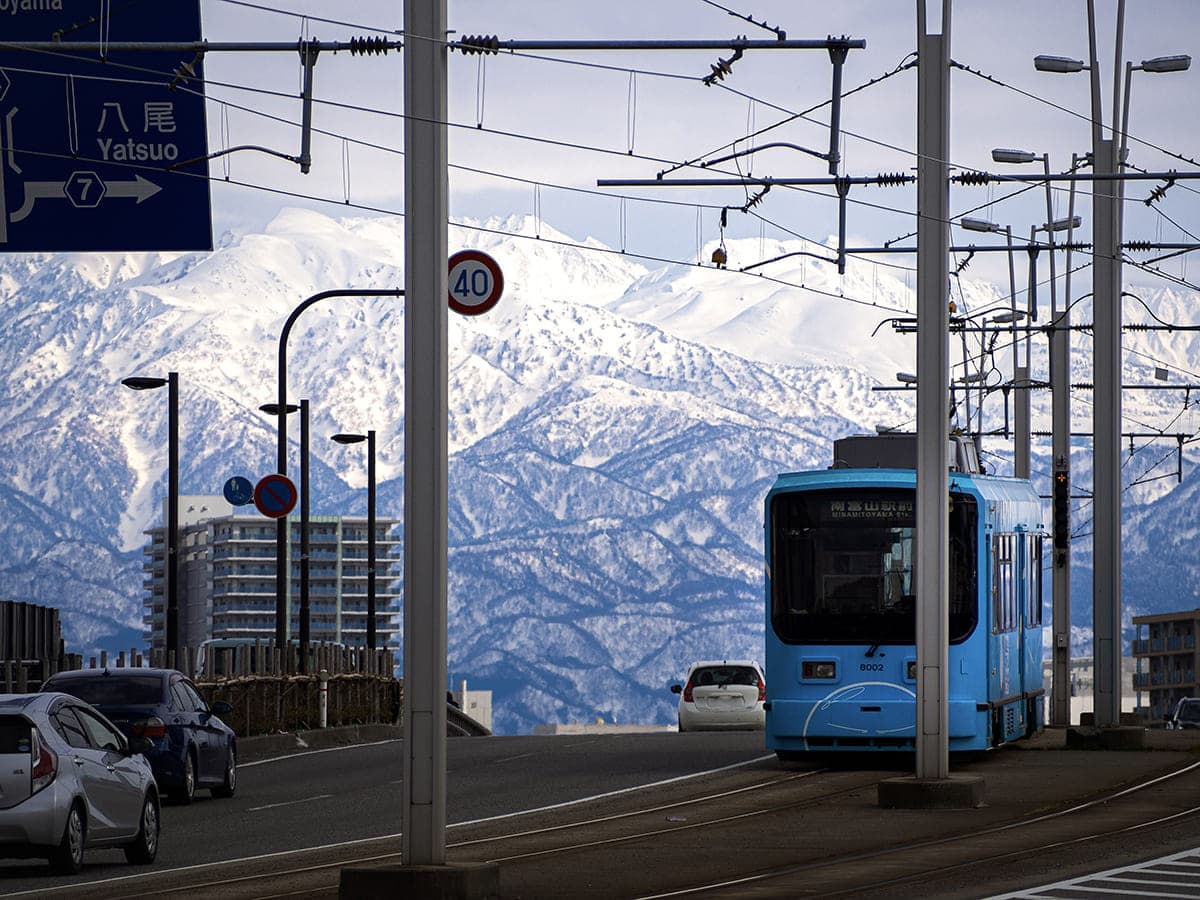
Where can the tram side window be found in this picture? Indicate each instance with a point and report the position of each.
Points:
(1033, 580)
(1005, 614)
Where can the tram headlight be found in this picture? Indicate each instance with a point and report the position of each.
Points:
(910, 670)
(825, 670)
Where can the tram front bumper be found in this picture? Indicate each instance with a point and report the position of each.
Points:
(861, 722)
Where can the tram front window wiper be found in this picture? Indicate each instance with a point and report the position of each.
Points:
(871, 650)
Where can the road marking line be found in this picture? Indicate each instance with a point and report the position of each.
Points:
(289, 803)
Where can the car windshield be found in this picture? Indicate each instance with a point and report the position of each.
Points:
(719, 675)
(113, 690)
(1190, 711)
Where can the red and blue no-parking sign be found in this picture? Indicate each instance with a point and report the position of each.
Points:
(475, 282)
(275, 496)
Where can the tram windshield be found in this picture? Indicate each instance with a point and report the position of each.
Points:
(842, 567)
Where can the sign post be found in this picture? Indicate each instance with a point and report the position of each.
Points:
(92, 142)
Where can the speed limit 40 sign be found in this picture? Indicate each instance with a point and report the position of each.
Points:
(475, 282)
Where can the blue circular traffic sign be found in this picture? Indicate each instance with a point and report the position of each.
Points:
(239, 491)
(275, 496)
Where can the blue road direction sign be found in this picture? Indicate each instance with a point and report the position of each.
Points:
(239, 491)
(88, 146)
(275, 496)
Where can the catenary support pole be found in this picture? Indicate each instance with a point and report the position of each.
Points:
(1060, 437)
(933, 198)
(425, 422)
(173, 555)
(1106, 286)
(305, 526)
(371, 550)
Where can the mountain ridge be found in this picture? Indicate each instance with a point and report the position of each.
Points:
(609, 449)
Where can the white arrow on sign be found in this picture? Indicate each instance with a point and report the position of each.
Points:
(140, 188)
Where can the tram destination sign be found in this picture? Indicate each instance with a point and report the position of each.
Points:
(876, 509)
(103, 149)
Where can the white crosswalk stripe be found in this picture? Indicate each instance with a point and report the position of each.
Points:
(1172, 876)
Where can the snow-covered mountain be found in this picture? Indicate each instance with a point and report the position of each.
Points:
(613, 430)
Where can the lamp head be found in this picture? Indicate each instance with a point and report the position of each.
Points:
(1058, 64)
(272, 409)
(1009, 317)
(1005, 155)
(1179, 63)
(348, 438)
(1062, 224)
(143, 383)
(984, 225)
(906, 378)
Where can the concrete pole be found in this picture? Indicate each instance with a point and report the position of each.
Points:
(371, 540)
(933, 376)
(1106, 287)
(1060, 430)
(305, 524)
(171, 569)
(1107, 427)
(425, 445)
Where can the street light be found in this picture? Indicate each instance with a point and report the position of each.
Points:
(1021, 435)
(280, 411)
(171, 569)
(1179, 63)
(369, 437)
(1108, 159)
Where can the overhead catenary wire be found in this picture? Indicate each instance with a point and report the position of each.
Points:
(586, 147)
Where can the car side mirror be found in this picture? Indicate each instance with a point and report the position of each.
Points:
(677, 689)
(139, 745)
(221, 708)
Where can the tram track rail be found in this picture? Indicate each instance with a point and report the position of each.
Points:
(640, 844)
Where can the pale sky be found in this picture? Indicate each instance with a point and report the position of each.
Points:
(527, 128)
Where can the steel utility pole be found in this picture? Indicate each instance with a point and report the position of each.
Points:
(1106, 287)
(933, 385)
(426, 207)
(1060, 415)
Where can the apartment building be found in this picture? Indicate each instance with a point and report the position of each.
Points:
(1165, 650)
(227, 577)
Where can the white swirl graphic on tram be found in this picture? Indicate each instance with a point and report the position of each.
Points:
(849, 692)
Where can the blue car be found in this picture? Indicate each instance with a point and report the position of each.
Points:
(191, 747)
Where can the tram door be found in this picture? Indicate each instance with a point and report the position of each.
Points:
(1031, 627)
(1006, 639)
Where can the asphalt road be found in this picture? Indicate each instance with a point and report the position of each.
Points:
(313, 799)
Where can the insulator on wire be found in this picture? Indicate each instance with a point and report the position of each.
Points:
(469, 44)
(973, 178)
(1137, 245)
(368, 46)
(1159, 192)
(722, 68)
(892, 179)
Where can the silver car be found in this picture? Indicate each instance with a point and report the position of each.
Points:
(70, 781)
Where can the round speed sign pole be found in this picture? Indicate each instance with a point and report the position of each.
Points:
(475, 282)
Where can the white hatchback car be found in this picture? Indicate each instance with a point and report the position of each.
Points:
(725, 694)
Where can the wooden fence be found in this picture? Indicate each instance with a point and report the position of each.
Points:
(264, 684)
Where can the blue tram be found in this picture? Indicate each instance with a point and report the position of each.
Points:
(841, 607)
